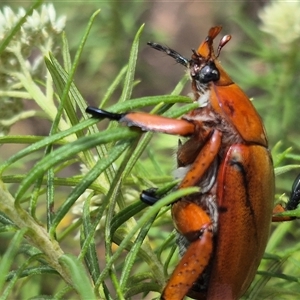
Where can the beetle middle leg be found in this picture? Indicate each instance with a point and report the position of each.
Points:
(194, 223)
(200, 165)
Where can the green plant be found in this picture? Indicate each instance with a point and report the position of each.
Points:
(117, 151)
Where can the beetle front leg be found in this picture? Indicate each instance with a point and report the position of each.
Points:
(147, 122)
(195, 224)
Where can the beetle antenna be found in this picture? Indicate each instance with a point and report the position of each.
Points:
(224, 40)
(178, 57)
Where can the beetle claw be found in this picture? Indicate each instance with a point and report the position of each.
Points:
(101, 113)
(295, 195)
(149, 196)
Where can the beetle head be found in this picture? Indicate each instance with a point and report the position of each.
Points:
(204, 66)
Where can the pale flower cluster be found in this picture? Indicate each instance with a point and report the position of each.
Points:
(22, 59)
(281, 19)
(35, 30)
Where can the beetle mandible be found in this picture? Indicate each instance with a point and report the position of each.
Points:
(223, 229)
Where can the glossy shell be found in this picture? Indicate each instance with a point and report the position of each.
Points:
(245, 200)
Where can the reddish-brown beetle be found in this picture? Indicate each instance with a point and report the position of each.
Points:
(223, 229)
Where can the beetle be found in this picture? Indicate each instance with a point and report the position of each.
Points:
(223, 229)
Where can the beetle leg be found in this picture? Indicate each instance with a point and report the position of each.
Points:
(295, 195)
(192, 221)
(277, 210)
(200, 165)
(147, 122)
(149, 196)
(195, 224)
(292, 204)
(204, 159)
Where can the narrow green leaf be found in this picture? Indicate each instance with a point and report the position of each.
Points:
(79, 277)
(46, 141)
(66, 54)
(129, 79)
(131, 257)
(91, 257)
(113, 86)
(91, 176)
(9, 256)
(286, 168)
(67, 151)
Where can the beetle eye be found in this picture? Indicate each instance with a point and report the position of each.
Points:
(208, 73)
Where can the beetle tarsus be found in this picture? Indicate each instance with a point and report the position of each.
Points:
(295, 195)
(101, 113)
(149, 196)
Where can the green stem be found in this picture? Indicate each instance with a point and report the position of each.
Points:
(15, 94)
(36, 234)
(46, 104)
